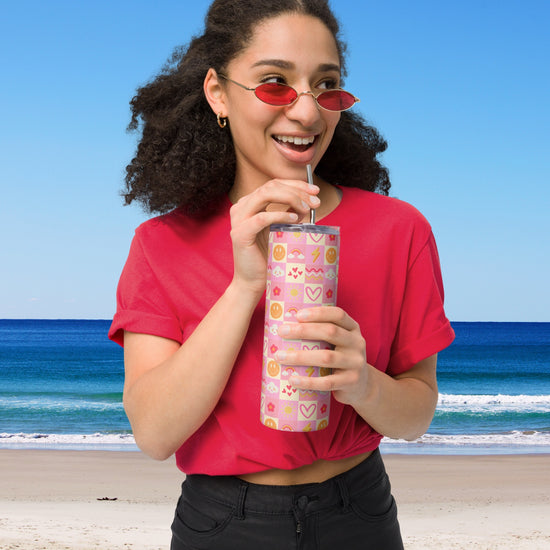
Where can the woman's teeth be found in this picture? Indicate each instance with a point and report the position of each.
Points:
(296, 140)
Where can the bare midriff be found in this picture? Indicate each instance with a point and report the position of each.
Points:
(317, 472)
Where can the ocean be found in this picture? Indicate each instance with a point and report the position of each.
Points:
(61, 388)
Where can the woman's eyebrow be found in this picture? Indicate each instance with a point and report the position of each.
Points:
(274, 63)
(288, 65)
(327, 67)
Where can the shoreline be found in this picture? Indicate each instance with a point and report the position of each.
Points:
(55, 499)
(402, 450)
(514, 443)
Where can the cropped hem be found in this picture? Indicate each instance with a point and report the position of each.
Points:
(221, 469)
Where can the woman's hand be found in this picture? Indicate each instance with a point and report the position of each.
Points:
(277, 201)
(350, 373)
(400, 407)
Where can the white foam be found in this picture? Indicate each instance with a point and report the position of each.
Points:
(94, 441)
(58, 404)
(514, 438)
(495, 403)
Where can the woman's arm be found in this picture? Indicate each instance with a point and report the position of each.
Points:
(402, 407)
(171, 389)
(399, 407)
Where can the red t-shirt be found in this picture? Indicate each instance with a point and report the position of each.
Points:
(389, 282)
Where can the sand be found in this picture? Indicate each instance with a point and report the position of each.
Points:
(65, 500)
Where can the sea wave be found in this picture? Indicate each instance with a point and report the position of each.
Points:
(515, 441)
(531, 438)
(57, 403)
(95, 441)
(494, 403)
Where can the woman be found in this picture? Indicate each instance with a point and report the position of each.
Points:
(226, 156)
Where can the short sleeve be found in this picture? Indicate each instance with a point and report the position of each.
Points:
(423, 328)
(142, 303)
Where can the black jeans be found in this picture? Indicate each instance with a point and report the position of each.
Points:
(354, 510)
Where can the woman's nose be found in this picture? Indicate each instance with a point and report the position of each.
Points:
(304, 109)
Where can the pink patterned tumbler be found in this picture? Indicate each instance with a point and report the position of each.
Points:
(302, 272)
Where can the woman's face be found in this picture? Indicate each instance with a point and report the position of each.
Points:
(297, 50)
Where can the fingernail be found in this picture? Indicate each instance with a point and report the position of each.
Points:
(280, 355)
(305, 205)
(315, 201)
(303, 315)
(283, 330)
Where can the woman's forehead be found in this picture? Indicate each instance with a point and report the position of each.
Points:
(289, 40)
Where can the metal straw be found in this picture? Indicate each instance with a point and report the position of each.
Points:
(310, 181)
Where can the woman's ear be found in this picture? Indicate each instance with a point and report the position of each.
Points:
(214, 93)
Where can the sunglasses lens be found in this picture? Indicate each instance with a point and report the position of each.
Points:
(336, 100)
(276, 94)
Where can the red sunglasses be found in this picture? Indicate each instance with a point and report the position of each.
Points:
(280, 95)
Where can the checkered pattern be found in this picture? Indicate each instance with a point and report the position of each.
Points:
(302, 272)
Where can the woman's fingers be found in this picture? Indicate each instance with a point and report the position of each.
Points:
(277, 201)
(293, 195)
(328, 323)
(346, 360)
(338, 381)
(337, 358)
(327, 314)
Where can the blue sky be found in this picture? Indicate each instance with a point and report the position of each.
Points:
(459, 89)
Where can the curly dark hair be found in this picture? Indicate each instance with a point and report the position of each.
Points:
(185, 160)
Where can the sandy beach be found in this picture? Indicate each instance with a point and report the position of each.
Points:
(123, 500)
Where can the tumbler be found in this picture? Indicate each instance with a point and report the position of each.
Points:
(302, 272)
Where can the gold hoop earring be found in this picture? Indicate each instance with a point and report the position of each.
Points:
(222, 121)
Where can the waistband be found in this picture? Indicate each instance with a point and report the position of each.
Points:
(245, 496)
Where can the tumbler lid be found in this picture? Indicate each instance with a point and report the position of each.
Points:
(305, 228)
